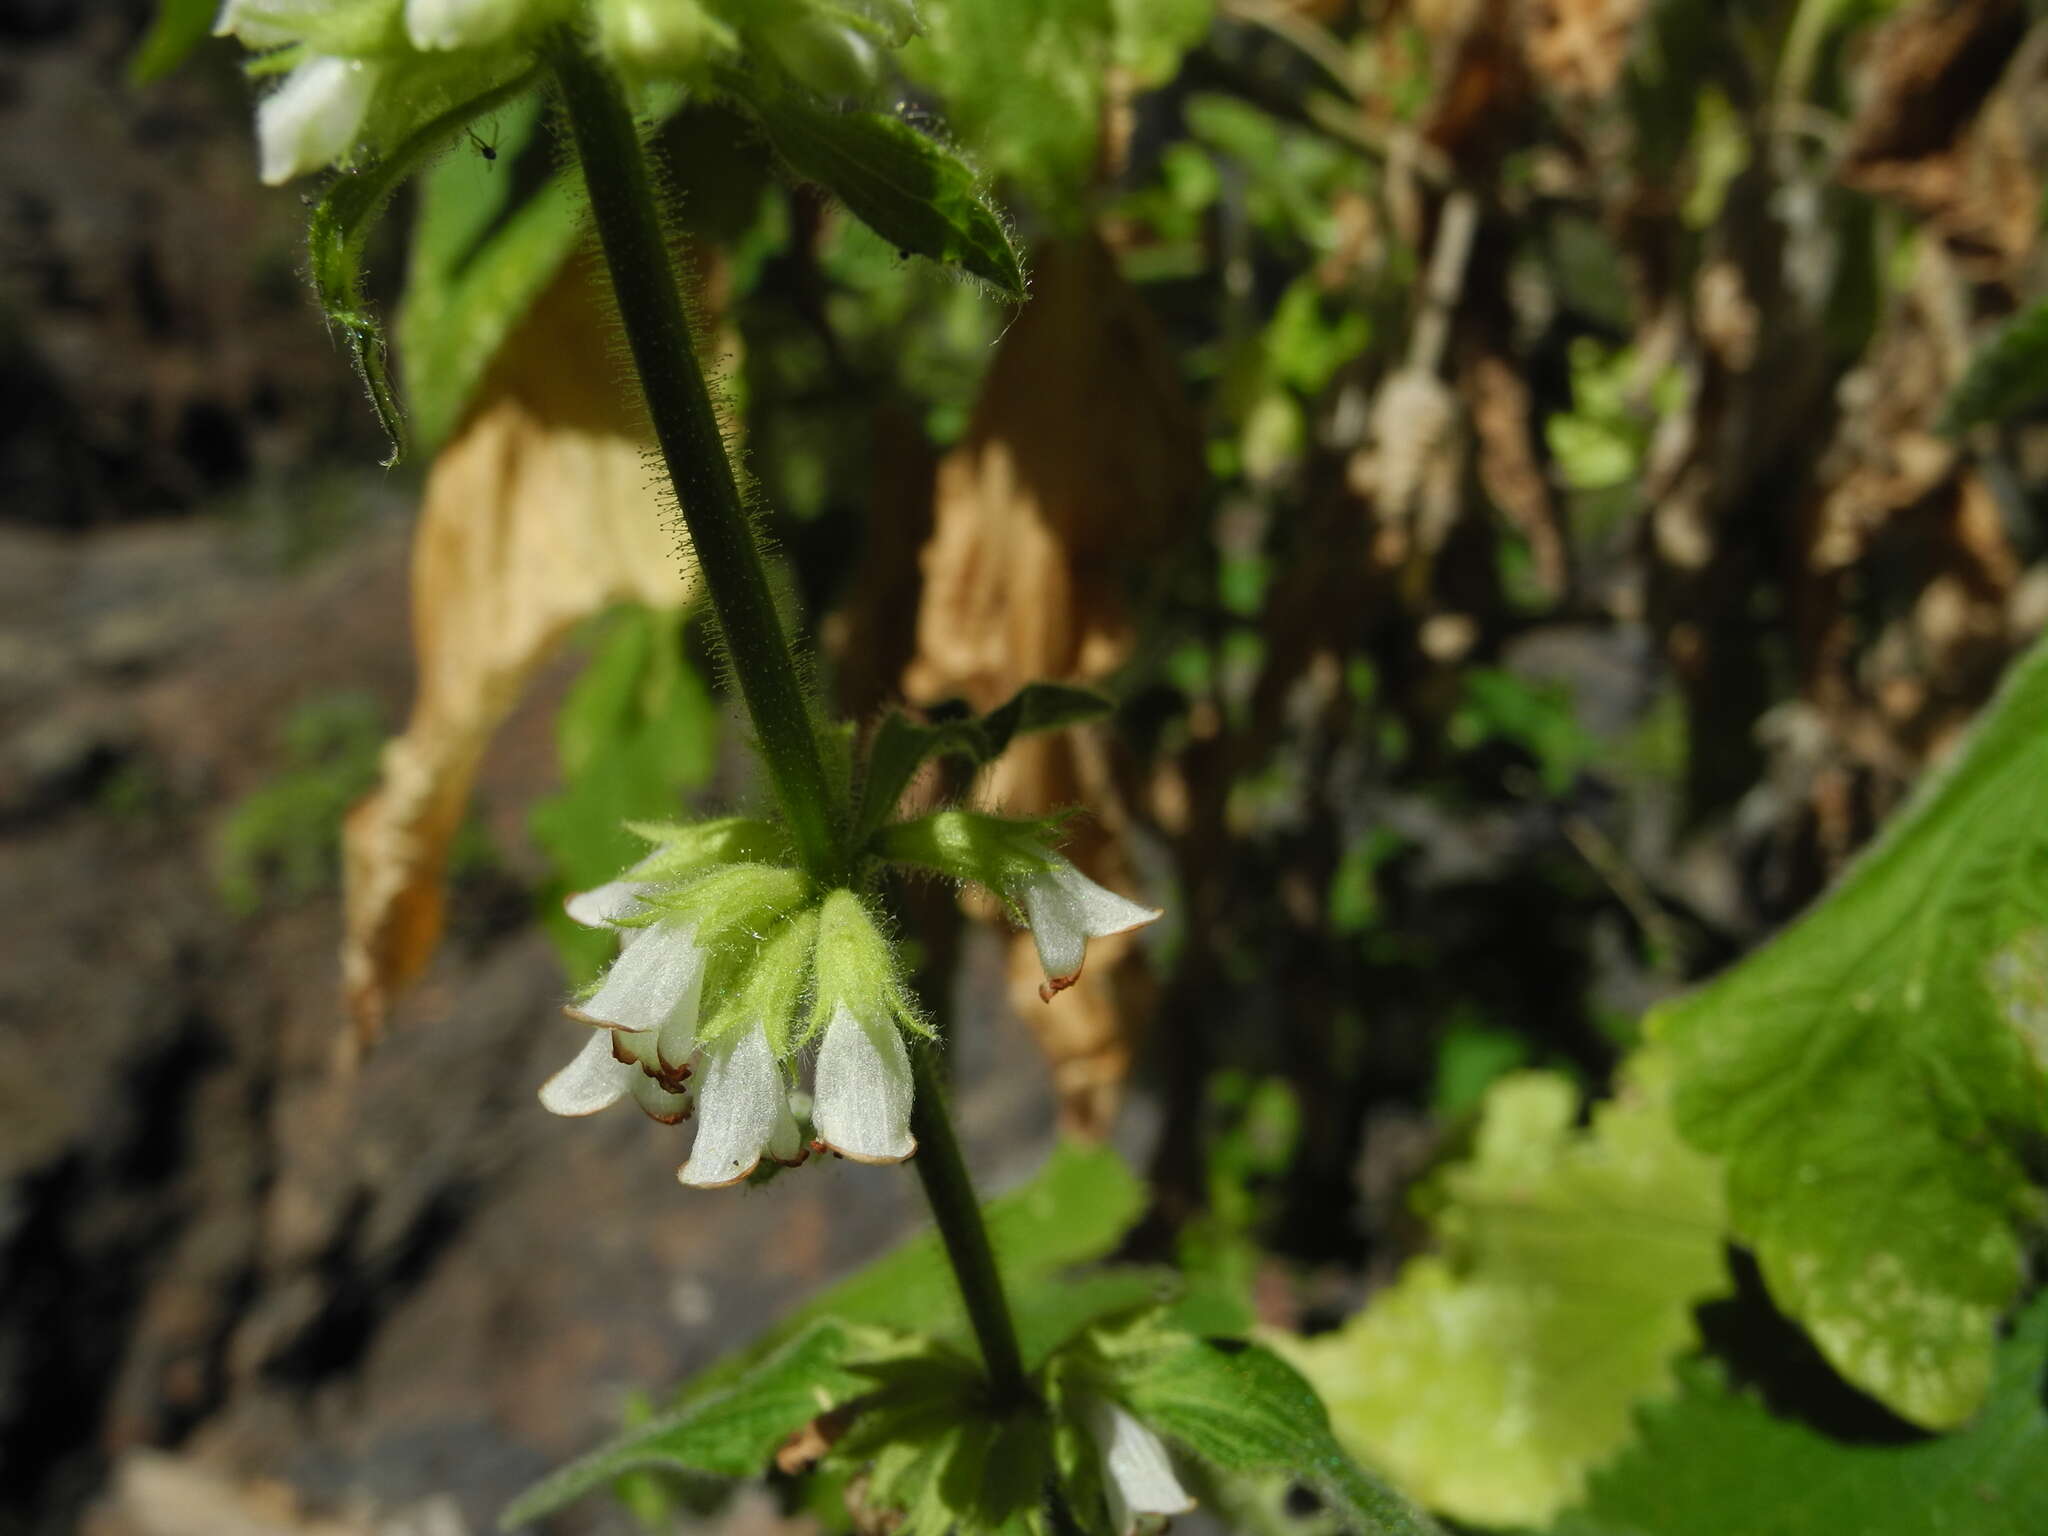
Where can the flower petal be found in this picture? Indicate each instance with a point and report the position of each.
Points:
(655, 982)
(862, 1106)
(1137, 1474)
(312, 119)
(657, 1103)
(1066, 909)
(745, 1112)
(602, 906)
(593, 1080)
(1103, 912)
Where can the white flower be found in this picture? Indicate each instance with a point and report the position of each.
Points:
(655, 987)
(1065, 909)
(435, 24)
(313, 118)
(644, 1015)
(746, 1114)
(605, 1071)
(862, 1105)
(1136, 1472)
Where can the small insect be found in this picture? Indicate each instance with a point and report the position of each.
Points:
(485, 147)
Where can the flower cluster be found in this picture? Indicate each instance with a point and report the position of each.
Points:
(733, 966)
(357, 73)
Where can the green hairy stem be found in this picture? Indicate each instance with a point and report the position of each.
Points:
(645, 279)
(950, 1192)
(658, 333)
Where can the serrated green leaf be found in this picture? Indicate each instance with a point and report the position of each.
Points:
(1023, 84)
(341, 223)
(179, 27)
(1493, 1376)
(1052, 1313)
(477, 263)
(934, 1453)
(2008, 374)
(1243, 1409)
(732, 1433)
(1716, 1462)
(911, 190)
(1875, 1083)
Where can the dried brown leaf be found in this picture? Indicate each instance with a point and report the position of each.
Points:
(540, 512)
(1942, 127)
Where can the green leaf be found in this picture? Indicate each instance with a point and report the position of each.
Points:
(1072, 1210)
(180, 26)
(1716, 1462)
(902, 745)
(933, 1451)
(341, 223)
(479, 259)
(732, 1433)
(1243, 1409)
(1494, 1375)
(1874, 1077)
(1041, 707)
(2008, 374)
(909, 189)
(1053, 1313)
(1023, 83)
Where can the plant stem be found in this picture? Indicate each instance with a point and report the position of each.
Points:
(644, 277)
(950, 1193)
(658, 332)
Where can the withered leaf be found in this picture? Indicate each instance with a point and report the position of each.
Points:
(541, 511)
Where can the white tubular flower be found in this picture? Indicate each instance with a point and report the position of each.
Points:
(606, 1070)
(433, 24)
(1137, 1474)
(313, 118)
(746, 1112)
(655, 988)
(862, 1105)
(593, 1080)
(1065, 909)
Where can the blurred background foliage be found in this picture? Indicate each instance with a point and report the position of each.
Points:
(1544, 481)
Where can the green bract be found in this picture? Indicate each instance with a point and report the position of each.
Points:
(731, 964)
(993, 851)
(856, 970)
(770, 982)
